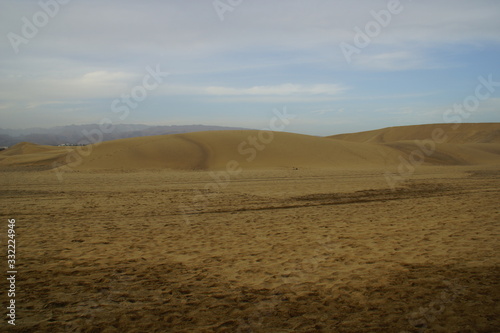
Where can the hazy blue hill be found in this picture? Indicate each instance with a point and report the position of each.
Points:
(74, 134)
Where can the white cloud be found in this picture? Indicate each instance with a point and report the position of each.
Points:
(391, 61)
(105, 77)
(96, 84)
(325, 111)
(287, 89)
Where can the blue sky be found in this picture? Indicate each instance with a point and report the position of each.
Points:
(233, 63)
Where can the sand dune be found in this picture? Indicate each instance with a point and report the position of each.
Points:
(469, 144)
(248, 149)
(450, 154)
(31, 155)
(455, 133)
(441, 144)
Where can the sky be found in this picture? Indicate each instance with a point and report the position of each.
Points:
(335, 66)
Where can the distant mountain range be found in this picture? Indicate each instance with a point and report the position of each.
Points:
(75, 134)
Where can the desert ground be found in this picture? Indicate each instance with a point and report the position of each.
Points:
(309, 236)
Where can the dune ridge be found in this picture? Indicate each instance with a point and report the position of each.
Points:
(455, 133)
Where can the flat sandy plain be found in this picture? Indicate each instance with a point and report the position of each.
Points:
(277, 250)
